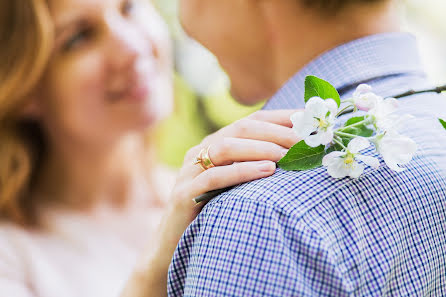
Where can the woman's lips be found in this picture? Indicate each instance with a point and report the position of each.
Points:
(136, 92)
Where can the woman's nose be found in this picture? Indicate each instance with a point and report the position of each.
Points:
(126, 44)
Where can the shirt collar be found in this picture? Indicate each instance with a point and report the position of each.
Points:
(352, 63)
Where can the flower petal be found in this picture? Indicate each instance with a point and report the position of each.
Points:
(337, 168)
(362, 89)
(357, 144)
(315, 107)
(370, 161)
(366, 101)
(326, 136)
(388, 106)
(401, 148)
(330, 157)
(387, 123)
(313, 140)
(332, 106)
(392, 165)
(396, 150)
(384, 107)
(401, 121)
(356, 170)
(298, 120)
(404, 144)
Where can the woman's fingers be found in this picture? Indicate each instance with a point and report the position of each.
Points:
(278, 117)
(229, 150)
(253, 129)
(229, 175)
(256, 130)
(271, 126)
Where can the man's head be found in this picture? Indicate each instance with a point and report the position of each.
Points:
(262, 43)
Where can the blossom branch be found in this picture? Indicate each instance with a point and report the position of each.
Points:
(338, 148)
(437, 90)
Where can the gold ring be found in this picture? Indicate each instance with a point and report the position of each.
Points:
(206, 160)
(199, 159)
(203, 159)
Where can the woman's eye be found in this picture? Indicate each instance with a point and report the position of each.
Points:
(128, 7)
(77, 39)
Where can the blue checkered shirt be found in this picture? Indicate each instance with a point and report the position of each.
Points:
(307, 234)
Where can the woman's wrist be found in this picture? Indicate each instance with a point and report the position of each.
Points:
(149, 277)
(150, 273)
(158, 252)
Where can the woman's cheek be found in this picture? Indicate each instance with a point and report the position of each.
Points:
(78, 88)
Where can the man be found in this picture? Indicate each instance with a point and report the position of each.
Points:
(305, 233)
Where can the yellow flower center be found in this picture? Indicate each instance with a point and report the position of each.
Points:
(349, 159)
(323, 124)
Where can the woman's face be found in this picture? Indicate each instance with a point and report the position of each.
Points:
(110, 71)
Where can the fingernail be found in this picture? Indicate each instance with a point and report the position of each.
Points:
(284, 152)
(267, 166)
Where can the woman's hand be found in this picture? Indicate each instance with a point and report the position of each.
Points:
(243, 151)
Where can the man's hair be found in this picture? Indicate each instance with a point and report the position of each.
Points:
(336, 5)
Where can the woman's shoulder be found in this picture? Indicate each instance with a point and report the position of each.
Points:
(12, 240)
(10, 233)
(13, 270)
(12, 236)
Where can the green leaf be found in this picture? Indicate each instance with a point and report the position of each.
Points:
(333, 148)
(443, 122)
(361, 130)
(302, 157)
(316, 87)
(336, 146)
(354, 120)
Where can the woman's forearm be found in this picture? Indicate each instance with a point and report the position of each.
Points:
(148, 279)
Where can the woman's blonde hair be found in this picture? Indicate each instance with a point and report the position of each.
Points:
(25, 46)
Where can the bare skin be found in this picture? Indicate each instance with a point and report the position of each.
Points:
(95, 118)
(265, 43)
(234, 143)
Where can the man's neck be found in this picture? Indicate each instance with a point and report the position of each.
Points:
(295, 45)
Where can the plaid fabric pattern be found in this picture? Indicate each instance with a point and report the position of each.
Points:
(307, 234)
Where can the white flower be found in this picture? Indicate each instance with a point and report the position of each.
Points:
(364, 99)
(342, 164)
(395, 149)
(382, 113)
(315, 123)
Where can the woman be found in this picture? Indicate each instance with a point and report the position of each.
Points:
(82, 82)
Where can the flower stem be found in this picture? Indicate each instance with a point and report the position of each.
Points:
(364, 122)
(345, 134)
(339, 141)
(344, 109)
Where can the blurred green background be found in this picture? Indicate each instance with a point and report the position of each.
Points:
(203, 103)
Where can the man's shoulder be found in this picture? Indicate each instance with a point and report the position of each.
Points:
(284, 191)
(295, 193)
